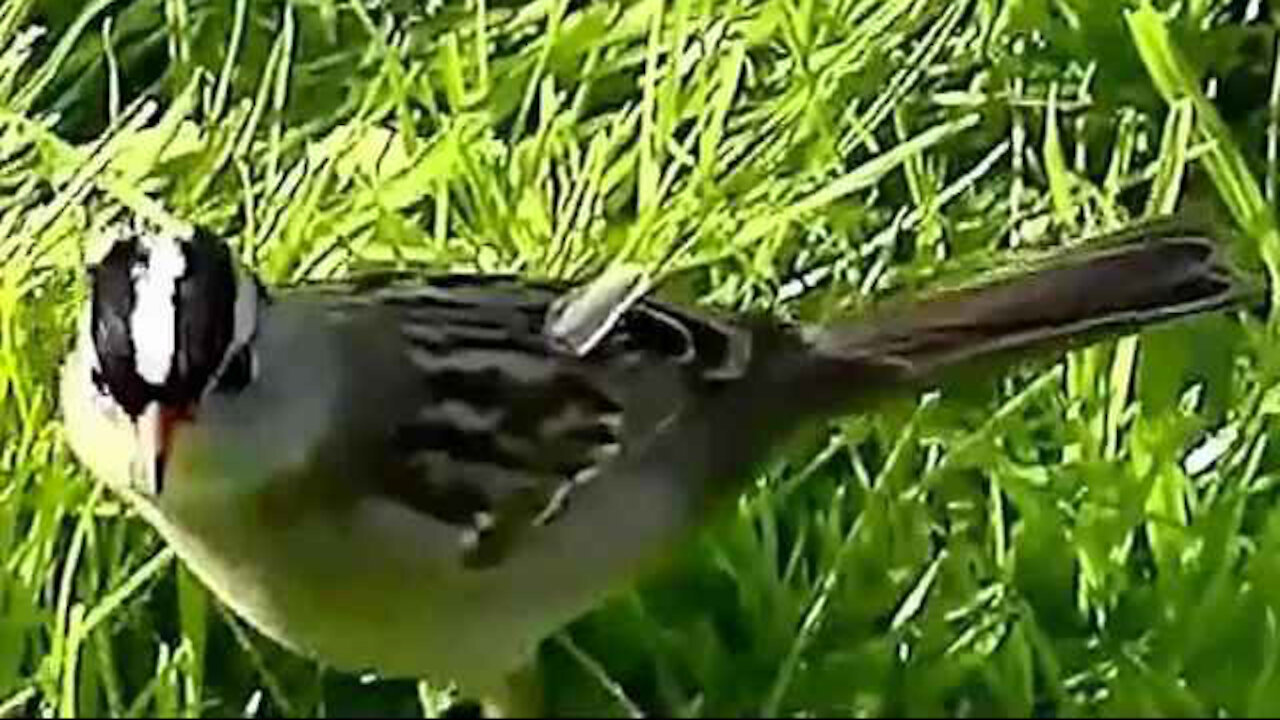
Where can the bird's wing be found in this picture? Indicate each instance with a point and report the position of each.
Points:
(513, 422)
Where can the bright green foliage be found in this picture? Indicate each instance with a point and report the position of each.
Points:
(1095, 534)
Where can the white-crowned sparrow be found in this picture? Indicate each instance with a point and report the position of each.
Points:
(405, 475)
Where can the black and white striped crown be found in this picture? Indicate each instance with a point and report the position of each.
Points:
(166, 313)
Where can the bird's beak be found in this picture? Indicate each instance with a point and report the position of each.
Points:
(155, 434)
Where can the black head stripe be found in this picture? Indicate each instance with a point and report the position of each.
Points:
(113, 301)
(206, 304)
(204, 299)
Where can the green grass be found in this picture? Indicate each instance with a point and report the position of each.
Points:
(1097, 534)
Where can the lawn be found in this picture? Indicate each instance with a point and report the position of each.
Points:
(1095, 533)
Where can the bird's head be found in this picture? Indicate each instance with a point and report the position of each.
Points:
(166, 322)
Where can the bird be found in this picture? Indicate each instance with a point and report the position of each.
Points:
(404, 473)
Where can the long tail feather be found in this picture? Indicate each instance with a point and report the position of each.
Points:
(1082, 298)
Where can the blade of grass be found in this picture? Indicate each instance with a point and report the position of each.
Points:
(1176, 80)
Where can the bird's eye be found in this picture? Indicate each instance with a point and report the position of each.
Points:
(99, 383)
(103, 400)
(238, 373)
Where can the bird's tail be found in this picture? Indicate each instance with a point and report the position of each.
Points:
(1115, 288)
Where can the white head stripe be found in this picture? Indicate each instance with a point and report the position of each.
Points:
(154, 321)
